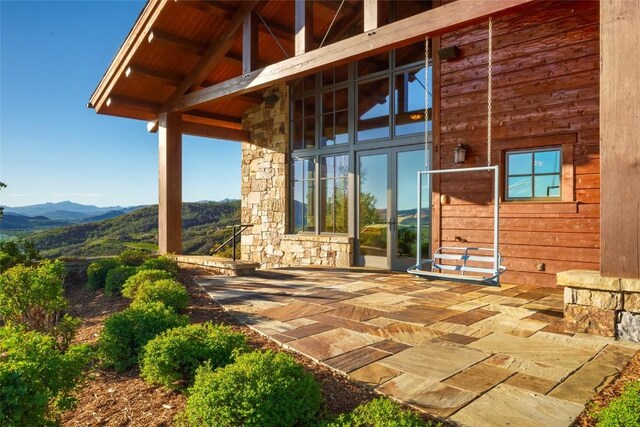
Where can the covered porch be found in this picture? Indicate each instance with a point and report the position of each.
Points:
(477, 355)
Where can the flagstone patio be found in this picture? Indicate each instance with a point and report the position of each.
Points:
(477, 355)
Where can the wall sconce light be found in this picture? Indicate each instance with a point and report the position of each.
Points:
(460, 153)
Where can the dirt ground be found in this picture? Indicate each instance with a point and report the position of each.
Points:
(108, 398)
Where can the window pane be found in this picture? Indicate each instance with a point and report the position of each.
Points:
(342, 127)
(326, 210)
(546, 162)
(409, 99)
(309, 106)
(519, 187)
(299, 206)
(341, 211)
(328, 137)
(310, 218)
(373, 64)
(303, 195)
(334, 200)
(341, 99)
(547, 186)
(519, 163)
(373, 110)
(296, 137)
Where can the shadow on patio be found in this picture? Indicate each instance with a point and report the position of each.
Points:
(481, 356)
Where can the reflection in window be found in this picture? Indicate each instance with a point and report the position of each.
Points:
(303, 195)
(409, 101)
(334, 198)
(533, 174)
(335, 117)
(373, 64)
(303, 123)
(373, 110)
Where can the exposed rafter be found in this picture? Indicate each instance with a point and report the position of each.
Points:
(304, 26)
(168, 79)
(207, 131)
(212, 55)
(132, 103)
(191, 46)
(433, 22)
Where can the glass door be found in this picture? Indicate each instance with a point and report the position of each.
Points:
(373, 209)
(405, 209)
(387, 208)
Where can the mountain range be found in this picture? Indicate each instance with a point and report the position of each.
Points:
(47, 215)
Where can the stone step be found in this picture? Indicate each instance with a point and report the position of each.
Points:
(223, 266)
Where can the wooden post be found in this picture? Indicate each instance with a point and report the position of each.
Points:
(619, 141)
(170, 183)
(249, 43)
(304, 26)
(371, 13)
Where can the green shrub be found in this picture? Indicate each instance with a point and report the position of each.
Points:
(97, 272)
(116, 278)
(259, 389)
(14, 252)
(169, 292)
(32, 298)
(37, 380)
(126, 333)
(132, 257)
(132, 284)
(161, 263)
(381, 412)
(624, 411)
(171, 358)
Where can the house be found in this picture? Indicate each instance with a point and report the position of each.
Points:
(328, 99)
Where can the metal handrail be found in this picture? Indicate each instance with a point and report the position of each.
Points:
(233, 238)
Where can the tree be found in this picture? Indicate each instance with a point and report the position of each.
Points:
(2, 185)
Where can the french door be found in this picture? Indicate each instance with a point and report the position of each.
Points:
(386, 208)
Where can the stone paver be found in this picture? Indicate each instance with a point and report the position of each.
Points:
(481, 356)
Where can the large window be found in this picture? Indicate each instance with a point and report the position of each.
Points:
(368, 104)
(533, 174)
(334, 203)
(304, 195)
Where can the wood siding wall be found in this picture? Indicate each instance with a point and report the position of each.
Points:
(545, 83)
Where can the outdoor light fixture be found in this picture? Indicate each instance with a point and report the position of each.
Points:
(416, 116)
(460, 153)
(271, 99)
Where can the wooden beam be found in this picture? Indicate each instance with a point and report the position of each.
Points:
(215, 7)
(132, 103)
(169, 79)
(132, 43)
(371, 12)
(215, 132)
(213, 54)
(213, 119)
(303, 26)
(433, 22)
(250, 42)
(619, 142)
(169, 184)
(191, 46)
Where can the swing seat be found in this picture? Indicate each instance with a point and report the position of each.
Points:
(462, 260)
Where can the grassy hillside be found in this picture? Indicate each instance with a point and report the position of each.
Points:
(203, 228)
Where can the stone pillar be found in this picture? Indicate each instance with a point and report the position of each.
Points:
(170, 183)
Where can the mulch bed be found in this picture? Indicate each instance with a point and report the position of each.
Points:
(112, 399)
(123, 399)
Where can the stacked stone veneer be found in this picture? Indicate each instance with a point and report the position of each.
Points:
(598, 305)
(265, 195)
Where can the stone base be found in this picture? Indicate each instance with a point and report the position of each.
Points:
(589, 320)
(598, 305)
(222, 266)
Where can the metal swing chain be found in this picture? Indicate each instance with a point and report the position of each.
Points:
(426, 104)
(489, 90)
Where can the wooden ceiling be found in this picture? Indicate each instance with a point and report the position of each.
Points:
(177, 47)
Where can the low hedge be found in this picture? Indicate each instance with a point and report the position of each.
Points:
(161, 263)
(169, 292)
(132, 257)
(132, 284)
(116, 278)
(623, 411)
(381, 412)
(171, 358)
(97, 272)
(126, 333)
(259, 389)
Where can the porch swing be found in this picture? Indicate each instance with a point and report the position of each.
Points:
(486, 263)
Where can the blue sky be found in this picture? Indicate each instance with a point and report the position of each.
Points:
(52, 147)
